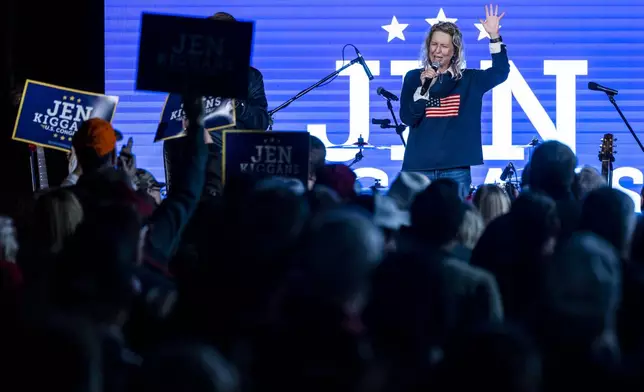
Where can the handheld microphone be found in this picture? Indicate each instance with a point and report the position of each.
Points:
(364, 64)
(598, 87)
(386, 94)
(435, 65)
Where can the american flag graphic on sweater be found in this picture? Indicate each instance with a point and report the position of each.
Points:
(443, 107)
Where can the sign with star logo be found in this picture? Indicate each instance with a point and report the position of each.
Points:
(196, 55)
(219, 114)
(259, 154)
(49, 115)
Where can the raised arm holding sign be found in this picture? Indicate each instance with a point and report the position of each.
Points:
(250, 113)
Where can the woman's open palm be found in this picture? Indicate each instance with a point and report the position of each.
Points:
(492, 20)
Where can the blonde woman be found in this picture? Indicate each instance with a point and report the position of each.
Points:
(589, 179)
(491, 201)
(471, 229)
(441, 103)
(56, 215)
(469, 232)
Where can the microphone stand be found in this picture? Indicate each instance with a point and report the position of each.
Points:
(509, 187)
(385, 124)
(307, 90)
(400, 128)
(611, 98)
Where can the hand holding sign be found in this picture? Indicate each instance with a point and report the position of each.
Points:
(193, 107)
(219, 114)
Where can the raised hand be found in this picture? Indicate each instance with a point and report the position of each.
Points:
(72, 163)
(492, 20)
(127, 160)
(127, 148)
(193, 107)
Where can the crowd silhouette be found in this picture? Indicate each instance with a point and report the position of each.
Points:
(273, 284)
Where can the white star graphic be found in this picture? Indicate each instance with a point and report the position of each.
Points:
(395, 29)
(440, 18)
(482, 32)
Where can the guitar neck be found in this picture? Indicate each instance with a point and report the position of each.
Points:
(607, 172)
(43, 180)
(607, 157)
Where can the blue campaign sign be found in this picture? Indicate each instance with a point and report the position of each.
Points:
(196, 55)
(260, 154)
(49, 115)
(220, 114)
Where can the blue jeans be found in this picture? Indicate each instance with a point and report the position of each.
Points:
(462, 176)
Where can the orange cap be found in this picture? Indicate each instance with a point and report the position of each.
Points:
(97, 134)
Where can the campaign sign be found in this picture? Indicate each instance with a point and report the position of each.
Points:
(261, 154)
(219, 113)
(49, 115)
(194, 55)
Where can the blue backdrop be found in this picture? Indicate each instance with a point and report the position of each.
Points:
(556, 48)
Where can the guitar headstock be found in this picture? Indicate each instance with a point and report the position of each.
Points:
(607, 149)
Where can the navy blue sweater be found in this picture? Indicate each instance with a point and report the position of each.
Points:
(445, 130)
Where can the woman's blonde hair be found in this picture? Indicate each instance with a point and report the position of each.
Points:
(589, 179)
(471, 229)
(458, 60)
(56, 215)
(491, 201)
